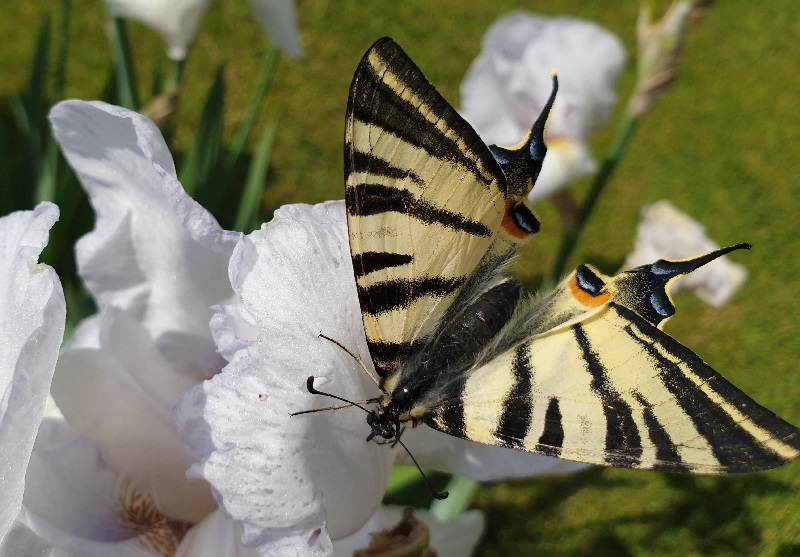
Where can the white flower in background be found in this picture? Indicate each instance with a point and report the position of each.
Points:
(666, 233)
(296, 483)
(509, 82)
(32, 316)
(177, 21)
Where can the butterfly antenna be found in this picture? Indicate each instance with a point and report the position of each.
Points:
(314, 391)
(436, 494)
(354, 356)
(335, 407)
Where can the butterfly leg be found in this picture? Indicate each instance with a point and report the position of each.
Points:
(397, 439)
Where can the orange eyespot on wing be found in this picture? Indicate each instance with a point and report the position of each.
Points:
(585, 297)
(518, 220)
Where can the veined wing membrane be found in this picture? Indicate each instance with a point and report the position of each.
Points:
(425, 199)
(615, 390)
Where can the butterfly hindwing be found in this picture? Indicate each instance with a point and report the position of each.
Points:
(425, 199)
(608, 387)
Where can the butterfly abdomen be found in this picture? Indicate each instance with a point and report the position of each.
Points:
(468, 334)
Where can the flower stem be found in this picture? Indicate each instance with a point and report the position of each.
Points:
(174, 75)
(624, 132)
(250, 204)
(123, 66)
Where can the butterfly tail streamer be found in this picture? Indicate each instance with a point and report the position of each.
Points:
(522, 163)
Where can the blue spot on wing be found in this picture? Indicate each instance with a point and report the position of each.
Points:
(657, 301)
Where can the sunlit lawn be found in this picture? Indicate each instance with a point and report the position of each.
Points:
(723, 145)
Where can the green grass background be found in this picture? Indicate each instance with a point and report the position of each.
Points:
(723, 145)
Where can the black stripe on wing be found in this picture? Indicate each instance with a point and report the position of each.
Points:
(623, 442)
(373, 101)
(371, 261)
(393, 294)
(552, 438)
(666, 452)
(735, 448)
(449, 417)
(388, 356)
(369, 163)
(373, 199)
(515, 418)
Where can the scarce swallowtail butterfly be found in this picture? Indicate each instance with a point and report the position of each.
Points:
(584, 372)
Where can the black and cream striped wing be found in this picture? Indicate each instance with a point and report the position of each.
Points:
(425, 199)
(600, 382)
(617, 391)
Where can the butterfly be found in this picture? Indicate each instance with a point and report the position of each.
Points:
(583, 372)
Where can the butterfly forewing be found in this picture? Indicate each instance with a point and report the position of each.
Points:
(425, 199)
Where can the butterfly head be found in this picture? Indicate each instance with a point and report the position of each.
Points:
(398, 404)
(384, 423)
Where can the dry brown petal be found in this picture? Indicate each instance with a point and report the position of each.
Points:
(407, 538)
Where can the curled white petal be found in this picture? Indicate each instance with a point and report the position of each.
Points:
(155, 263)
(452, 538)
(32, 316)
(277, 19)
(175, 20)
(154, 251)
(295, 482)
(664, 232)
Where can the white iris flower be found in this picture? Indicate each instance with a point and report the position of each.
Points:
(32, 316)
(177, 21)
(509, 82)
(148, 390)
